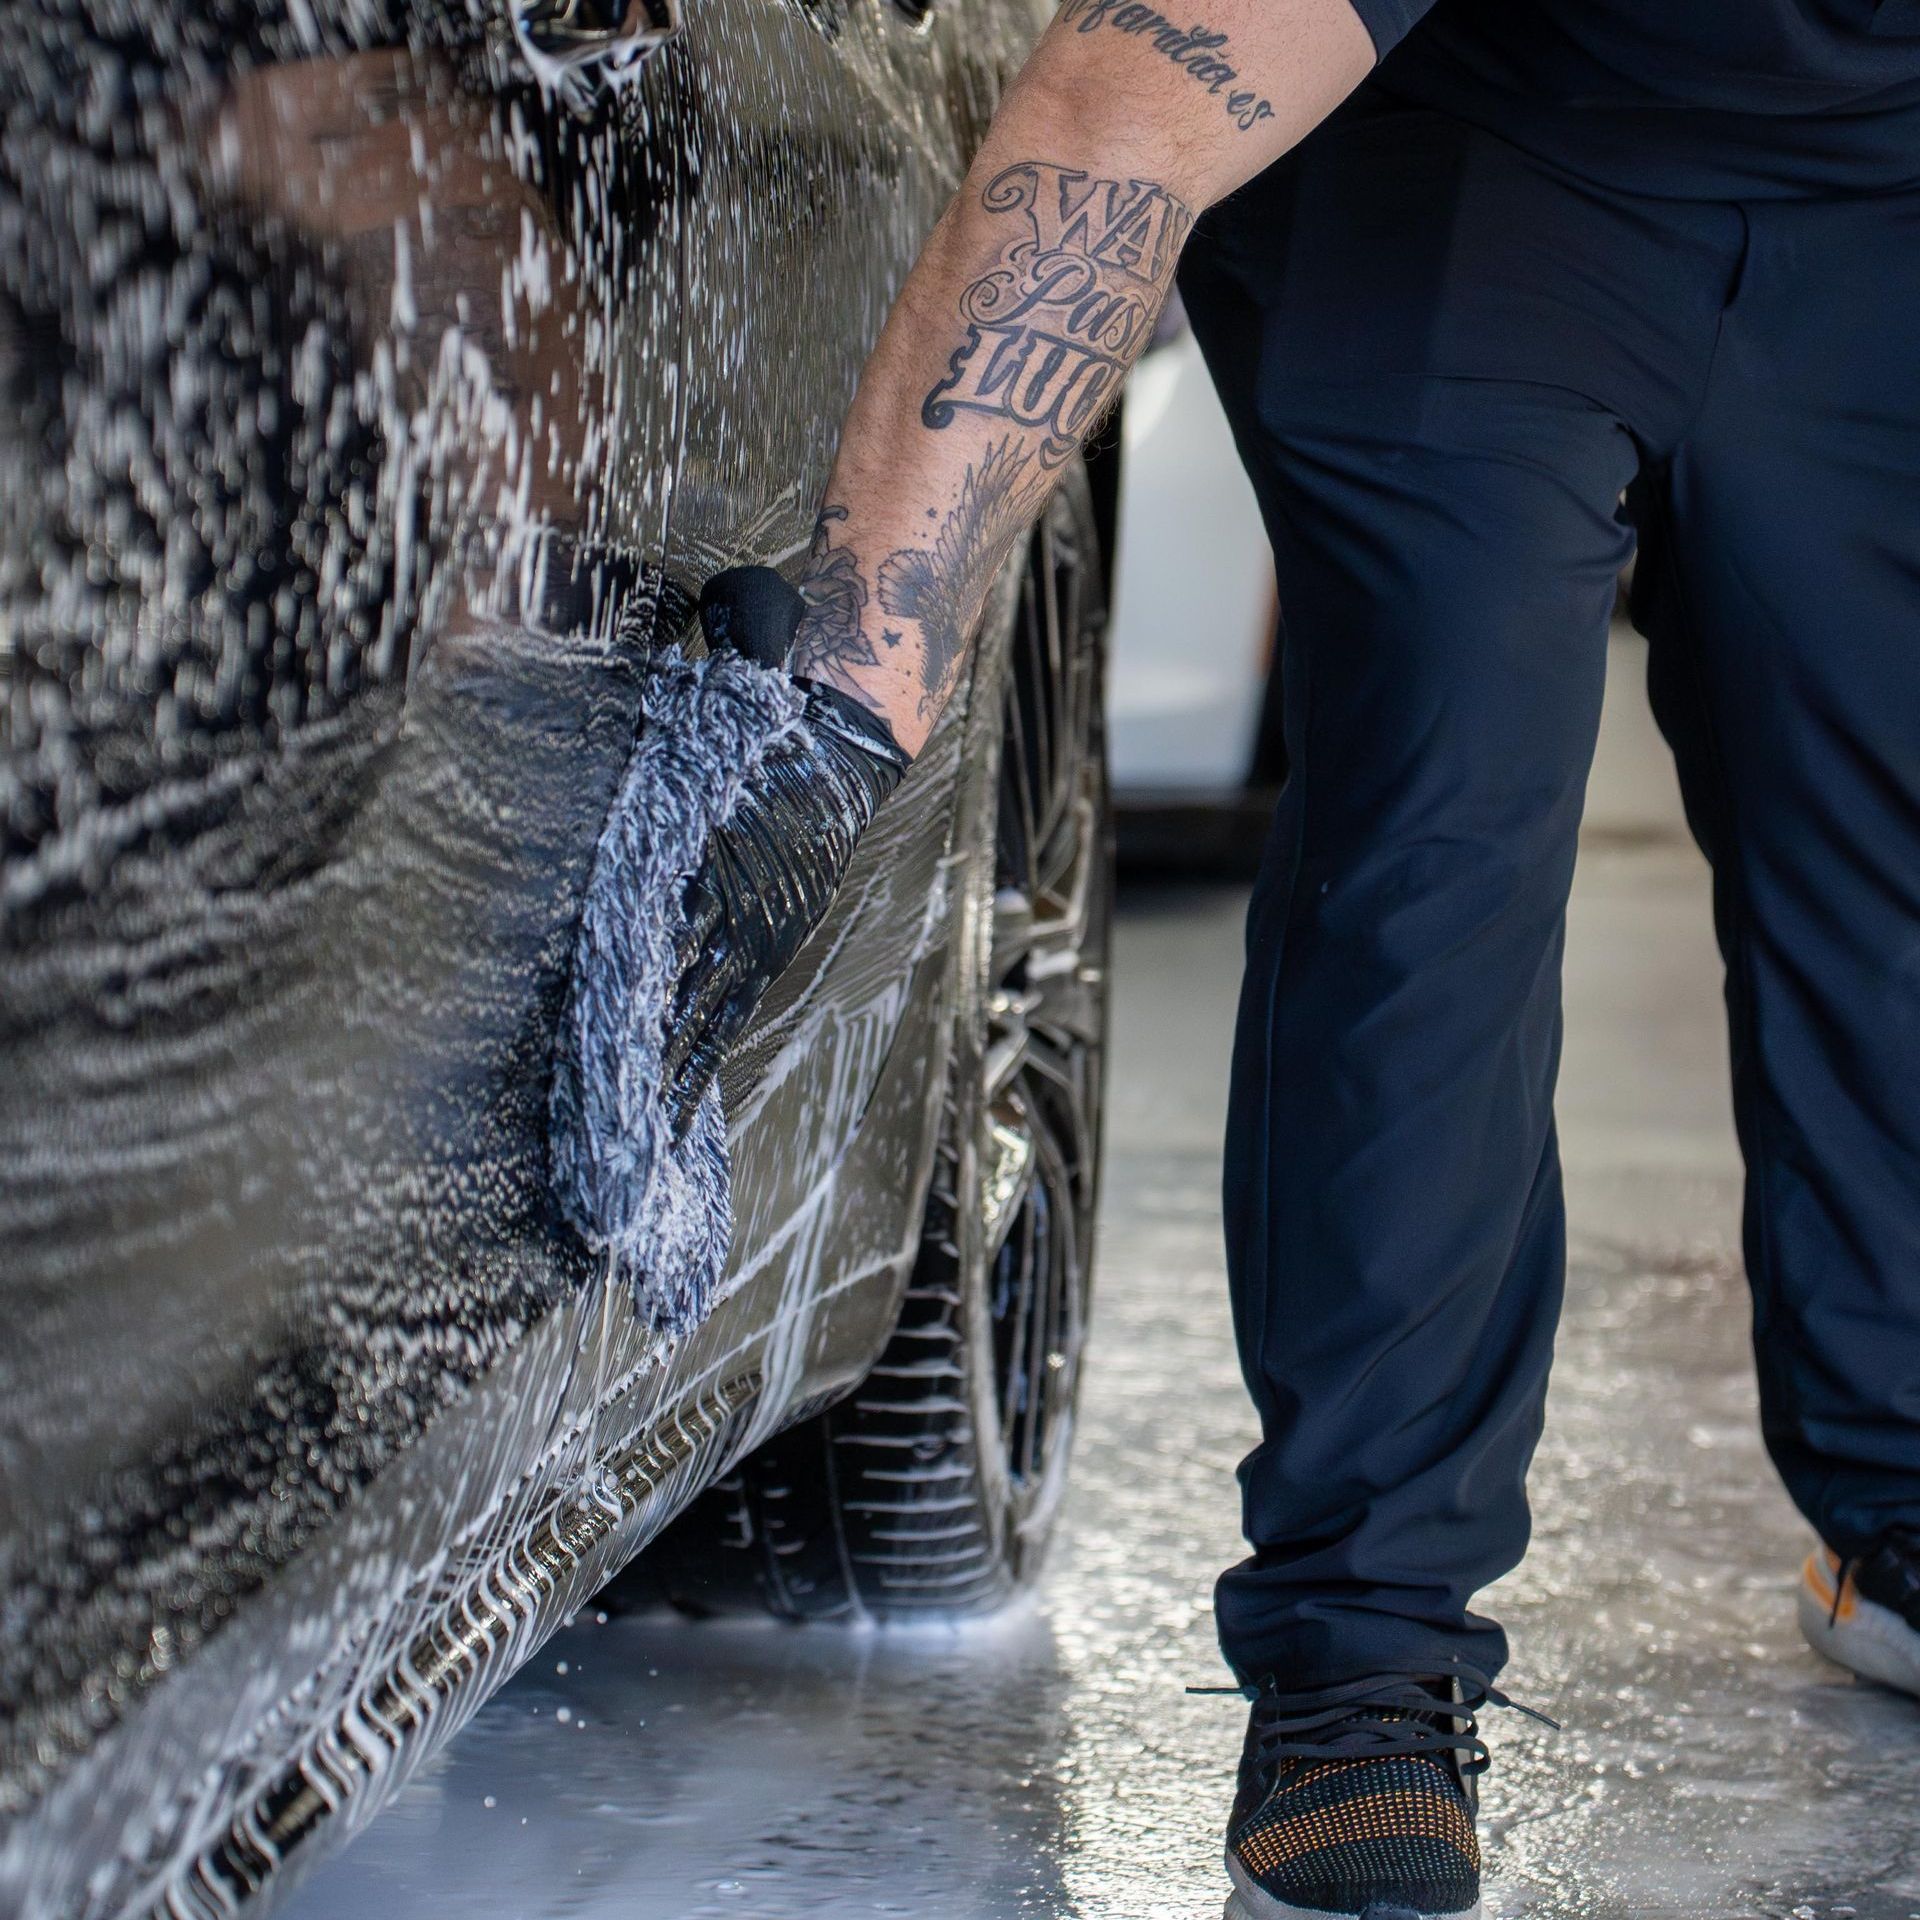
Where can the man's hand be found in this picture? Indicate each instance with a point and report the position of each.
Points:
(772, 871)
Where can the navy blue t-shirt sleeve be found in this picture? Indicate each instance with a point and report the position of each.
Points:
(1389, 21)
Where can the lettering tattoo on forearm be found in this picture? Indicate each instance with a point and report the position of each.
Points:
(1054, 325)
(1197, 50)
(1051, 328)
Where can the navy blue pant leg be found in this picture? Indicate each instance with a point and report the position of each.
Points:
(1384, 318)
(1779, 583)
(1393, 1190)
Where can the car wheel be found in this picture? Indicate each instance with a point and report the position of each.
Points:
(933, 1486)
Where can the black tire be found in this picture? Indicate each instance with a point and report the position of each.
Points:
(933, 1486)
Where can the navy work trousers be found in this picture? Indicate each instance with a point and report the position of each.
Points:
(1445, 362)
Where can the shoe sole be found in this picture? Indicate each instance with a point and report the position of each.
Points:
(1250, 1902)
(1864, 1637)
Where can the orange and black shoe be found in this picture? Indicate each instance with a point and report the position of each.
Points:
(1864, 1613)
(1357, 1802)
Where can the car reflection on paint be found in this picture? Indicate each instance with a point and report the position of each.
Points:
(382, 381)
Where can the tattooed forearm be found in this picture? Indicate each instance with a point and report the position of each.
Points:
(931, 587)
(1051, 328)
(831, 637)
(1054, 324)
(1205, 56)
(941, 587)
(1060, 276)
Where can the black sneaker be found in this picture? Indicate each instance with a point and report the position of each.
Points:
(1864, 1613)
(1357, 1802)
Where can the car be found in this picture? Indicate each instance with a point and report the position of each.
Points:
(383, 381)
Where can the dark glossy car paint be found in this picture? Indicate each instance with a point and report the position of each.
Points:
(372, 409)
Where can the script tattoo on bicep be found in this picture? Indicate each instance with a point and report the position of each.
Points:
(1199, 52)
(830, 637)
(1054, 324)
(939, 587)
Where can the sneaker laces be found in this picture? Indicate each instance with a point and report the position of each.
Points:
(1390, 1712)
(1844, 1564)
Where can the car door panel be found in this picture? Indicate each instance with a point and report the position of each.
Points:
(301, 1357)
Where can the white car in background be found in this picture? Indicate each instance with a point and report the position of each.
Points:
(1195, 735)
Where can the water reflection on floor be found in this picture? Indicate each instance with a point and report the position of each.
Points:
(1050, 1763)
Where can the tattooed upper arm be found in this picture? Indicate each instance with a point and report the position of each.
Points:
(1205, 56)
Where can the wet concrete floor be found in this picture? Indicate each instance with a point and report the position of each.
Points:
(1049, 1763)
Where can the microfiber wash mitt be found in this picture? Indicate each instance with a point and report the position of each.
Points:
(657, 1201)
(732, 830)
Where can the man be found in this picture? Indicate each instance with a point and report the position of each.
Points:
(1543, 256)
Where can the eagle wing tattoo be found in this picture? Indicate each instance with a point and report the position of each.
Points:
(939, 585)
